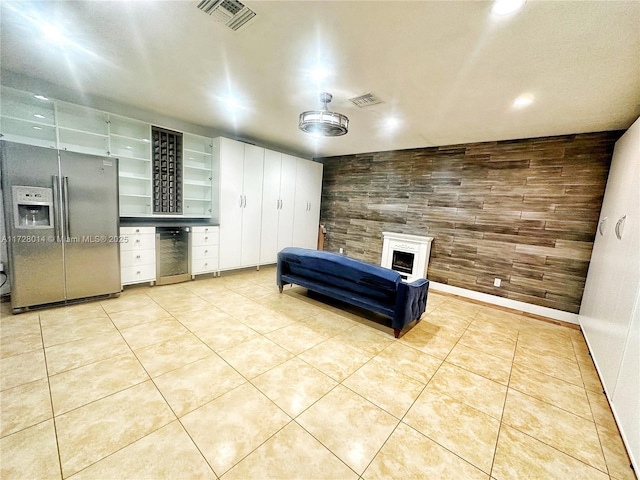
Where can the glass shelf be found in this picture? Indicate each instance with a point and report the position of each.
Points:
(83, 142)
(82, 119)
(25, 106)
(22, 131)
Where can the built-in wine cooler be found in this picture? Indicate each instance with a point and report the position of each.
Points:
(172, 254)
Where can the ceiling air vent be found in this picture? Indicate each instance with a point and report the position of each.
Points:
(232, 13)
(366, 100)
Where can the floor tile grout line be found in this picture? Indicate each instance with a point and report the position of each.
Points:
(504, 404)
(53, 415)
(177, 418)
(371, 357)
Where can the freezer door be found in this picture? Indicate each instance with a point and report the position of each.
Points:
(35, 254)
(90, 222)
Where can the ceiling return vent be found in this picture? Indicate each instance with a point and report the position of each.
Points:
(232, 13)
(366, 100)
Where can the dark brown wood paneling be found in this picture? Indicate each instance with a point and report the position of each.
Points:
(524, 211)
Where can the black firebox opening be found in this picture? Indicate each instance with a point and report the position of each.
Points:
(402, 261)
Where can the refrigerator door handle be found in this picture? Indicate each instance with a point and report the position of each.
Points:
(65, 200)
(56, 216)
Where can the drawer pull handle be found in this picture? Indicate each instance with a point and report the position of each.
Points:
(138, 272)
(206, 238)
(620, 227)
(601, 226)
(137, 240)
(206, 251)
(138, 257)
(137, 230)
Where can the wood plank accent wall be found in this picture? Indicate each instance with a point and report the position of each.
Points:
(524, 211)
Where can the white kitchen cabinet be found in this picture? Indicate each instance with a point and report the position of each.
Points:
(609, 310)
(306, 218)
(241, 174)
(27, 118)
(137, 255)
(35, 120)
(129, 140)
(278, 196)
(197, 162)
(204, 249)
(82, 129)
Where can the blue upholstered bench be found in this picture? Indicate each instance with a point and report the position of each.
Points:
(355, 282)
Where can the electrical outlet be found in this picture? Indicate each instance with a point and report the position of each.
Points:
(497, 282)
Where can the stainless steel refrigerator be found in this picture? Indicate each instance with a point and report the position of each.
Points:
(62, 224)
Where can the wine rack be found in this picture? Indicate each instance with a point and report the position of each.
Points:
(167, 171)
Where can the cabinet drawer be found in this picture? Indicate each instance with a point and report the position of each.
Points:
(137, 230)
(207, 229)
(129, 258)
(204, 251)
(144, 241)
(205, 238)
(138, 273)
(204, 265)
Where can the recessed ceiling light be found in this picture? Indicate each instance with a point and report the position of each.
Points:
(391, 122)
(53, 33)
(37, 115)
(523, 100)
(41, 97)
(507, 7)
(319, 73)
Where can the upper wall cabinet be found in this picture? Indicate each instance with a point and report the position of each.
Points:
(129, 140)
(36, 120)
(82, 129)
(198, 176)
(27, 118)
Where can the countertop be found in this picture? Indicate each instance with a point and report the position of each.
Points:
(166, 222)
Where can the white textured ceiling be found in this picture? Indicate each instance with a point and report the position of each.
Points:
(448, 70)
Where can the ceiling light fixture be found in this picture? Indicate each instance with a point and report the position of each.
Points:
(323, 122)
(507, 7)
(41, 97)
(523, 100)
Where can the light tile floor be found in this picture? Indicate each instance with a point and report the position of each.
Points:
(227, 378)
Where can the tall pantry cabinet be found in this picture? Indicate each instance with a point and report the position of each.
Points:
(268, 201)
(306, 216)
(610, 310)
(241, 173)
(278, 196)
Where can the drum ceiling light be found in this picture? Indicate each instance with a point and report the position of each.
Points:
(323, 122)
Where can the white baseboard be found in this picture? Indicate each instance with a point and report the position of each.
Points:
(507, 303)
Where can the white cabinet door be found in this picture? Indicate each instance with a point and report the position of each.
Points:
(252, 204)
(287, 201)
(307, 203)
(610, 287)
(278, 197)
(610, 310)
(231, 201)
(626, 398)
(270, 206)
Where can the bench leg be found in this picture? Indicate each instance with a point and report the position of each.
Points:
(396, 332)
(280, 287)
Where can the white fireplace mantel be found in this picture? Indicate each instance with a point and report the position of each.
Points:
(414, 245)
